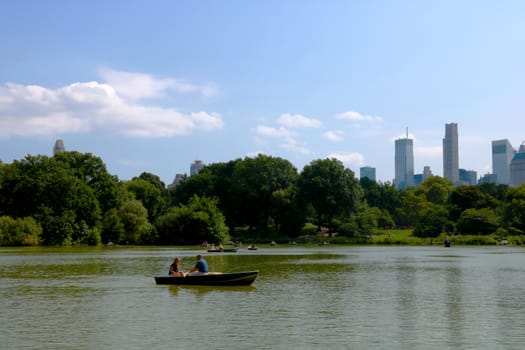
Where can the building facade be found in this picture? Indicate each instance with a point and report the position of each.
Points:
(517, 167)
(404, 163)
(502, 153)
(59, 147)
(196, 166)
(451, 153)
(468, 177)
(368, 172)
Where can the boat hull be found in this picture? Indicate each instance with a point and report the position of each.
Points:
(211, 279)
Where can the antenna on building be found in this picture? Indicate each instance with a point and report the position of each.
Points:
(407, 132)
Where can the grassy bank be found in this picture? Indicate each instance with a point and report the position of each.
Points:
(404, 237)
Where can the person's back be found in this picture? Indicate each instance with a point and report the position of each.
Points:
(202, 265)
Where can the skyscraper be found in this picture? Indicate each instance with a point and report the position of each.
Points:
(59, 147)
(502, 153)
(367, 171)
(517, 167)
(404, 163)
(196, 166)
(451, 153)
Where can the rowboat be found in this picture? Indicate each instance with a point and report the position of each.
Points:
(211, 279)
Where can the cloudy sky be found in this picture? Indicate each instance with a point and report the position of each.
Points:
(154, 85)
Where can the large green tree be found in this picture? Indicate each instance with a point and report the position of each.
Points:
(151, 196)
(200, 220)
(514, 210)
(254, 181)
(61, 202)
(331, 189)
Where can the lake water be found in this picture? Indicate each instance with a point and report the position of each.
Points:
(311, 297)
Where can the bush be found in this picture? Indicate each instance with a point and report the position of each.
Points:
(19, 232)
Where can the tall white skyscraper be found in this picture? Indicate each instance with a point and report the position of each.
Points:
(451, 153)
(404, 163)
(502, 153)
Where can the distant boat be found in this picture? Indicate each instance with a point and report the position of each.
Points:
(222, 250)
(211, 279)
(252, 247)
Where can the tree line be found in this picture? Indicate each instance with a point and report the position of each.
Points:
(71, 198)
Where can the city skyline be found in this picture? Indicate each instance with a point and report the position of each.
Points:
(154, 87)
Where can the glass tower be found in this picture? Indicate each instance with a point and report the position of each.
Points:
(451, 153)
(368, 172)
(502, 153)
(517, 167)
(404, 163)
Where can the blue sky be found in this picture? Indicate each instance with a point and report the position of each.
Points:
(154, 85)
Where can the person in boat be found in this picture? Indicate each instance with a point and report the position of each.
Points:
(175, 268)
(201, 266)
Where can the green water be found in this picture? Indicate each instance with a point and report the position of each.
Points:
(307, 297)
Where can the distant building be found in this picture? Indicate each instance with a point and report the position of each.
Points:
(196, 166)
(419, 178)
(177, 180)
(467, 177)
(427, 172)
(59, 147)
(368, 172)
(502, 153)
(517, 167)
(487, 178)
(451, 153)
(404, 163)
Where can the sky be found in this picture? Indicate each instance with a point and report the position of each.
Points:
(151, 86)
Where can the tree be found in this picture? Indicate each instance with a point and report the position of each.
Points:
(467, 197)
(152, 179)
(254, 181)
(150, 196)
(92, 171)
(287, 215)
(199, 220)
(478, 221)
(134, 219)
(19, 232)
(432, 222)
(384, 196)
(50, 192)
(436, 189)
(514, 210)
(331, 189)
(412, 205)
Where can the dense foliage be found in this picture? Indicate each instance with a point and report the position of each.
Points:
(70, 198)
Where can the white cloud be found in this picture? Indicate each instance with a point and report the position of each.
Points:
(269, 131)
(354, 158)
(28, 110)
(335, 136)
(292, 145)
(298, 121)
(136, 86)
(358, 117)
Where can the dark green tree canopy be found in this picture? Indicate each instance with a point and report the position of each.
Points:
(330, 188)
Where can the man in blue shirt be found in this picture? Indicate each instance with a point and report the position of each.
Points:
(201, 265)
